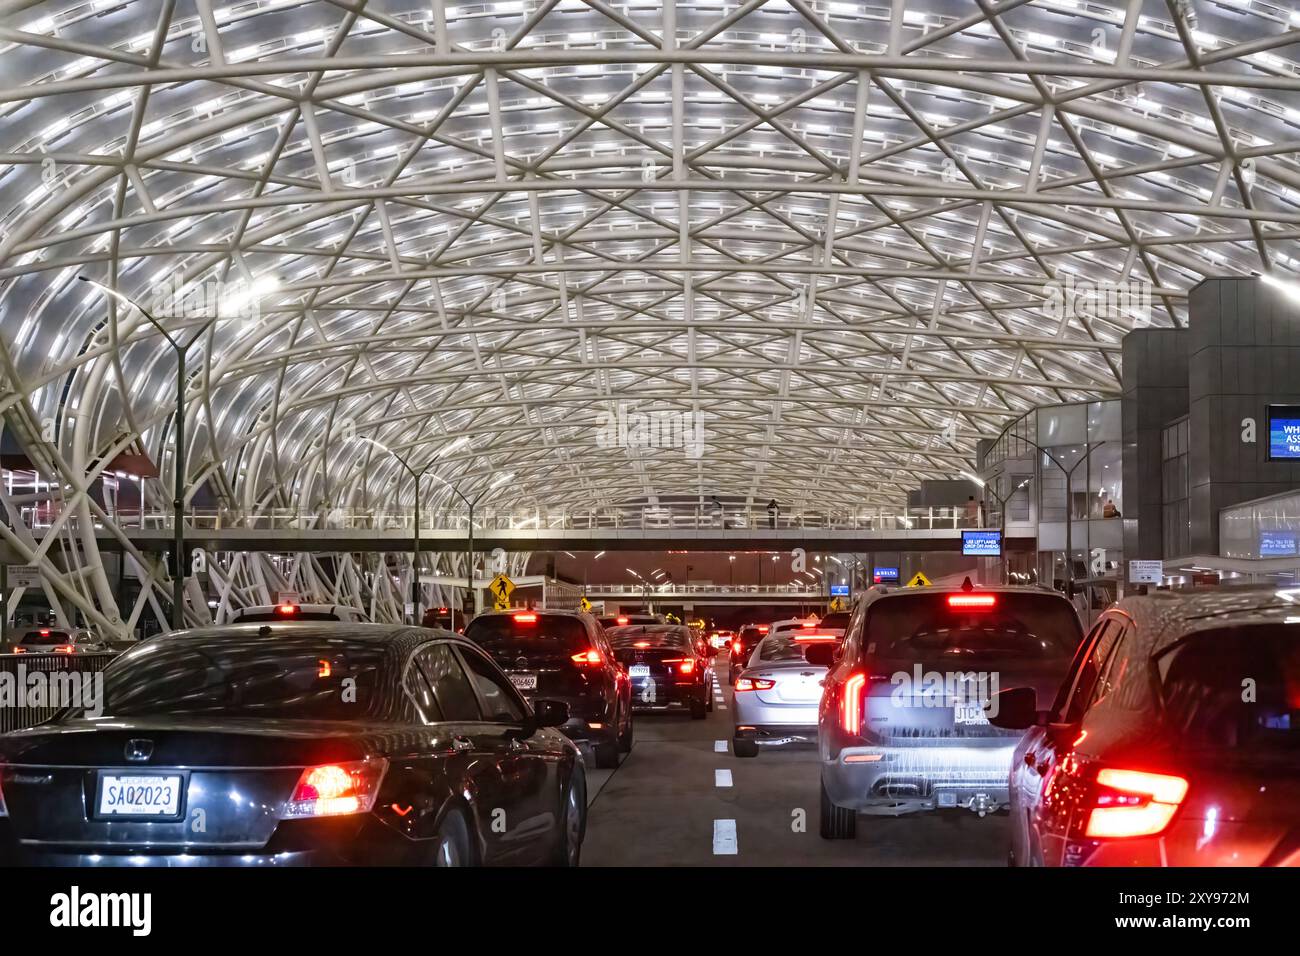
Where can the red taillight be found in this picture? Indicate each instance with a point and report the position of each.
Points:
(1132, 803)
(813, 638)
(763, 629)
(735, 647)
(851, 704)
(45, 632)
(589, 658)
(972, 602)
(754, 683)
(525, 618)
(641, 644)
(63, 649)
(336, 789)
(286, 610)
(687, 666)
(809, 624)
(620, 621)
(324, 669)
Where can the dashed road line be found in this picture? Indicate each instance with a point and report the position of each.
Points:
(719, 746)
(724, 838)
(722, 777)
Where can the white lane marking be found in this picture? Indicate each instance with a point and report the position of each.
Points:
(722, 777)
(724, 838)
(719, 746)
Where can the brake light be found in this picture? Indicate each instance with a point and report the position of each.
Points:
(336, 789)
(1132, 803)
(641, 644)
(811, 638)
(589, 658)
(525, 618)
(763, 629)
(851, 704)
(63, 649)
(754, 683)
(735, 647)
(687, 666)
(809, 624)
(972, 602)
(324, 670)
(286, 609)
(620, 621)
(45, 632)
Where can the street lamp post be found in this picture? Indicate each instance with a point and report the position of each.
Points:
(178, 501)
(1002, 514)
(470, 505)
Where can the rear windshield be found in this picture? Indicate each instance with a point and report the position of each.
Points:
(776, 649)
(676, 637)
(839, 619)
(307, 677)
(264, 617)
(1204, 681)
(925, 627)
(749, 633)
(515, 632)
(45, 637)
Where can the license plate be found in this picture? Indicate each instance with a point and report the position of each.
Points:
(524, 681)
(139, 795)
(639, 670)
(969, 714)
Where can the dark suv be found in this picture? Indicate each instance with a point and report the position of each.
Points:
(905, 721)
(564, 656)
(742, 646)
(1174, 739)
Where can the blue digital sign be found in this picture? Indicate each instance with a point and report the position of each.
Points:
(839, 590)
(1284, 432)
(885, 575)
(981, 544)
(1278, 544)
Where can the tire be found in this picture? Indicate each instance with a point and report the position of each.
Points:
(744, 747)
(698, 710)
(708, 698)
(625, 738)
(452, 844)
(837, 823)
(606, 753)
(573, 821)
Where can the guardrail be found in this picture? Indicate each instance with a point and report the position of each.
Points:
(648, 518)
(20, 707)
(688, 590)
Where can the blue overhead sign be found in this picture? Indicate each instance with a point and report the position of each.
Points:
(885, 575)
(1279, 544)
(1284, 432)
(839, 590)
(981, 544)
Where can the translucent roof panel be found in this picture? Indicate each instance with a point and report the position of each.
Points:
(848, 240)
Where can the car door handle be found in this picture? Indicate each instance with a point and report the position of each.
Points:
(461, 744)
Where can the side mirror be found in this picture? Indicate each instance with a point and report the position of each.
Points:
(820, 655)
(1015, 709)
(550, 713)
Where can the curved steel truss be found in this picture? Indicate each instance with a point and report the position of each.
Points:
(845, 241)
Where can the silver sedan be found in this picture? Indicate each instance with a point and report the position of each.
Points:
(777, 695)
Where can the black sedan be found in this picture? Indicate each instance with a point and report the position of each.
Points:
(667, 665)
(312, 744)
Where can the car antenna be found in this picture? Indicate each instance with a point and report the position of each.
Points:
(966, 585)
(264, 631)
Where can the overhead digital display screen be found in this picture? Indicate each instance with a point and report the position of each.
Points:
(1284, 432)
(1278, 544)
(981, 544)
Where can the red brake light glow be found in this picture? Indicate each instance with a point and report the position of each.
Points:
(735, 647)
(286, 609)
(851, 704)
(324, 669)
(641, 644)
(972, 602)
(811, 638)
(588, 658)
(763, 629)
(1131, 803)
(620, 621)
(754, 683)
(45, 632)
(525, 618)
(336, 789)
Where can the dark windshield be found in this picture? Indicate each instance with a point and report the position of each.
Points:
(265, 617)
(930, 626)
(307, 677)
(776, 649)
(634, 636)
(836, 619)
(43, 637)
(1235, 688)
(528, 631)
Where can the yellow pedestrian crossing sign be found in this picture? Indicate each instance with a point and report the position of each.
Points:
(584, 604)
(501, 587)
(836, 605)
(919, 580)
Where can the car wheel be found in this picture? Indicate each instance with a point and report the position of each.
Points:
(708, 700)
(573, 822)
(837, 823)
(744, 747)
(697, 710)
(452, 845)
(625, 738)
(606, 753)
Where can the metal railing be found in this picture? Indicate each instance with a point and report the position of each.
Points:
(648, 518)
(21, 707)
(688, 590)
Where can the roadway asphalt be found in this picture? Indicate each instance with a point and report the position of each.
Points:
(681, 798)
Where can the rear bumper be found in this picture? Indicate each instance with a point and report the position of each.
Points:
(669, 696)
(777, 735)
(749, 710)
(892, 779)
(583, 712)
